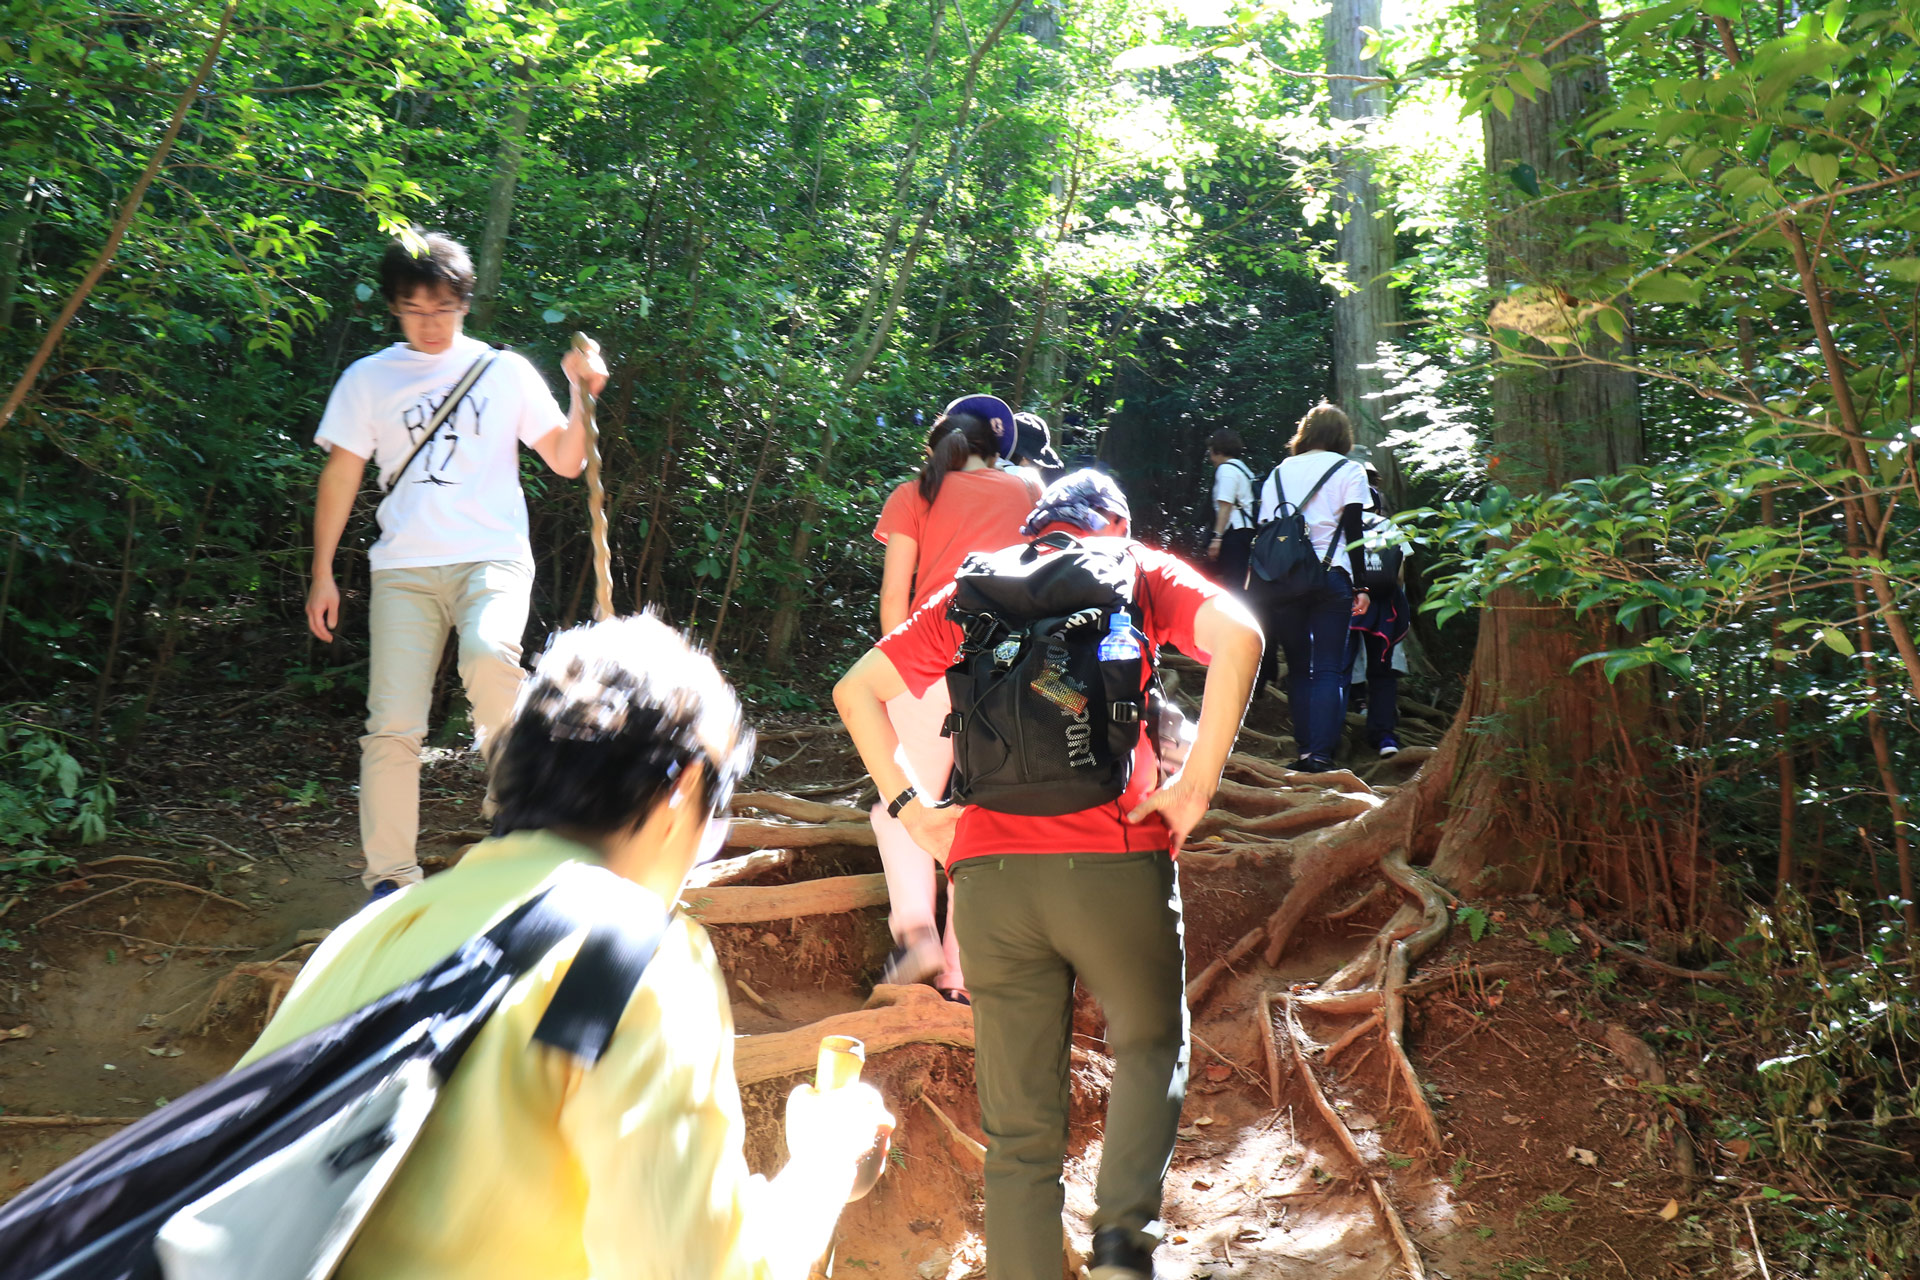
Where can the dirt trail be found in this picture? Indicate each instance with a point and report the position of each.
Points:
(114, 989)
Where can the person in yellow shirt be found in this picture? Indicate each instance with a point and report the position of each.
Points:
(622, 751)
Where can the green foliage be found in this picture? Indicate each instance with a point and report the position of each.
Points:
(1476, 920)
(45, 794)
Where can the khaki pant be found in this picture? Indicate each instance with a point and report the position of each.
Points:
(411, 613)
(1030, 926)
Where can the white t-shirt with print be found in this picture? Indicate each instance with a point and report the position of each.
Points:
(1233, 482)
(1298, 473)
(460, 501)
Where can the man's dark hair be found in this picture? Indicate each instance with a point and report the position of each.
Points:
(610, 716)
(443, 260)
(1226, 443)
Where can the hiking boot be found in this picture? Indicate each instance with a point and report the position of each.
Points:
(1116, 1257)
(1389, 746)
(386, 888)
(915, 960)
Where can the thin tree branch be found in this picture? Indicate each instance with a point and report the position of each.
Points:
(121, 223)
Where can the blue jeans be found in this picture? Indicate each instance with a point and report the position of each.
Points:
(1312, 631)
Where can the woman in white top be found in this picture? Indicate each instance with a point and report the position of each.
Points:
(1312, 629)
(1232, 509)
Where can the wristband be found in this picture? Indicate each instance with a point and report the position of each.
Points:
(901, 801)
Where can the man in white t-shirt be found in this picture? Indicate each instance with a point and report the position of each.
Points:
(453, 552)
(1232, 509)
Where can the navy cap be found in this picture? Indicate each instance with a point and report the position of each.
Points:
(1033, 441)
(995, 412)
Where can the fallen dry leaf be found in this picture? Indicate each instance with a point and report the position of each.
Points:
(1514, 1119)
(1188, 1132)
(1201, 1184)
(1670, 1210)
(1204, 1120)
(1583, 1156)
(1739, 1147)
(1361, 1120)
(1218, 1073)
(22, 1032)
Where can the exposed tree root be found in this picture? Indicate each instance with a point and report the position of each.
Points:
(1389, 1217)
(1644, 1064)
(1202, 982)
(788, 806)
(1288, 820)
(1648, 962)
(962, 1141)
(743, 833)
(1352, 1033)
(751, 904)
(130, 882)
(893, 1017)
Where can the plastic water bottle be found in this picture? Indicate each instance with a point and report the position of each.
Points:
(1119, 644)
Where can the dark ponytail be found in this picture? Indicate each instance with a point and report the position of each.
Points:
(954, 438)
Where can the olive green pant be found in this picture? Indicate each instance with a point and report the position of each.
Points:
(1029, 925)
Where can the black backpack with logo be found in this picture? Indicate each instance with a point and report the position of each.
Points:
(1041, 726)
(1282, 555)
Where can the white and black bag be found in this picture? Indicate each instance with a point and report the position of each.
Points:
(268, 1173)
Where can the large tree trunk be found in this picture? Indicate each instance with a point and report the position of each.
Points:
(1364, 318)
(507, 162)
(1550, 780)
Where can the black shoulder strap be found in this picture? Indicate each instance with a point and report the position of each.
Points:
(1324, 477)
(474, 373)
(623, 933)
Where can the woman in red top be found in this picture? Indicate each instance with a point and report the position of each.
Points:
(960, 503)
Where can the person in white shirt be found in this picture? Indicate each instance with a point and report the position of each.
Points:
(453, 552)
(1232, 509)
(1312, 630)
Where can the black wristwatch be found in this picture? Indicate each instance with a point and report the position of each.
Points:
(899, 802)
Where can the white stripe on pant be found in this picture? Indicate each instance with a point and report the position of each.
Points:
(410, 614)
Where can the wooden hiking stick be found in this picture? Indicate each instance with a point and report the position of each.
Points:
(596, 504)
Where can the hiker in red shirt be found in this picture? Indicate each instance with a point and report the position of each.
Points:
(1088, 895)
(960, 502)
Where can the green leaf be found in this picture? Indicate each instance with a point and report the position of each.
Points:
(1836, 639)
(1906, 270)
(1823, 169)
(1666, 287)
(1536, 73)
(553, 316)
(1525, 177)
(1503, 100)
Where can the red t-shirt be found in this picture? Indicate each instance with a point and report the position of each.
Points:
(976, 511)
(1167, 595)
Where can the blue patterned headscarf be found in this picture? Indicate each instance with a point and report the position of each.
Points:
(1084, 499)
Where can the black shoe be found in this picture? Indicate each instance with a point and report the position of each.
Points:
(1312, 764)
(1117, 1257)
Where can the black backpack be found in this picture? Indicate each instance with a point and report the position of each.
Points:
(226, 1147)
(1282, 556)
(1040, 725)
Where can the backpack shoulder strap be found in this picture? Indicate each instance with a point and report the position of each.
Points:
(1324, 477)
(624, 930)
(474, 373)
